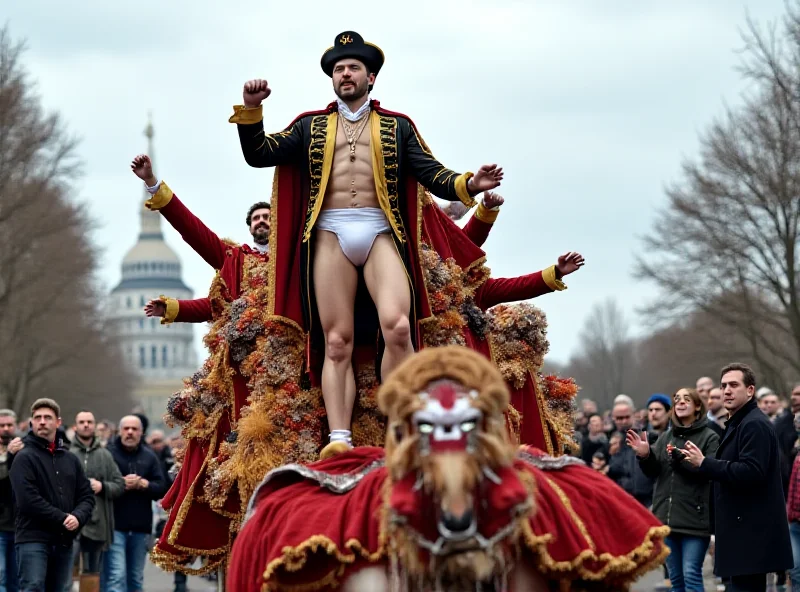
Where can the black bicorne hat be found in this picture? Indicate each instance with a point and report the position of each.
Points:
(352, 45)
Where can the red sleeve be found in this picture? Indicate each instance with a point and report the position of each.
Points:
(194, 311)
(499, 290)
(196, 234)
(477, 230)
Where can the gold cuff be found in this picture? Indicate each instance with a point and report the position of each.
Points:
(246, 115)
(484, 214)
(461, 190)
(172, 309)
(160, 199)
(549, 277)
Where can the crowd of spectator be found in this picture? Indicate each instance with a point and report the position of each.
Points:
(717, 462)
(78, 503)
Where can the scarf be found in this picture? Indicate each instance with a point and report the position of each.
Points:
(345, 111)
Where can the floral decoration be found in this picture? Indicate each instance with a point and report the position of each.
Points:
(518, 333)
(559, 394)
(451, 293)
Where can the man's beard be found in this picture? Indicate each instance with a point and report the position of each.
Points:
(358, 92)
(261, 235)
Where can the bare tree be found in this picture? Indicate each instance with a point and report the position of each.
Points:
(604, 360)
(50, 338)
(726, 244)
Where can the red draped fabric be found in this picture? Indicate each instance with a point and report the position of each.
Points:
(304, 536)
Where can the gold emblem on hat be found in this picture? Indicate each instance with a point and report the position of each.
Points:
(345, 39)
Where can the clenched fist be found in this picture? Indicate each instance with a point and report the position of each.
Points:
(143, 168)
(71, 523)
(255, 91)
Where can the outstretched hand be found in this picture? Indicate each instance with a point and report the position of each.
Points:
(255, 91)
(487, 178)
(638, 442)
(492, 200)
(569, 263)
(143, 168)
(155, 308)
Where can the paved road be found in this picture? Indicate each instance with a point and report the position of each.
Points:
(158, 581)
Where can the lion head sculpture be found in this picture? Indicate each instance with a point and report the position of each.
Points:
(455, 503)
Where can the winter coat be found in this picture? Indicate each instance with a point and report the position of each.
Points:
(7, 514)
(682, 496)
(133, 511)
(98, 464)
(623, 468)
(784, 429)
(589, 447)
(47, 486)
(750, 522)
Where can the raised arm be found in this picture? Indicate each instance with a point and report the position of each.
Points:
(482, 221)
(499, 290)
(260, 149)
(646, 454)
(172, 310)
(196, 234)
(441, 181)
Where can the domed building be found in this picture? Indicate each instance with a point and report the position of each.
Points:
(161, 355)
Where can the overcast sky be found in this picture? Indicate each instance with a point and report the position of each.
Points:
(589, 106)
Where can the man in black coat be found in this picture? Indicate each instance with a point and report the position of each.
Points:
(133, 512)
(751, 527)
(9, 446)
(53, 500)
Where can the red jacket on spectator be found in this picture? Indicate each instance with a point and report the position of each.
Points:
(793, 503)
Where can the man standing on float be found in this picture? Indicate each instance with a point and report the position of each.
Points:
(346, 193)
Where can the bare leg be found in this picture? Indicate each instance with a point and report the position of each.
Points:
(387, 283)
(335, 282)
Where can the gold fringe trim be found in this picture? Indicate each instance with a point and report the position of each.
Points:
(170, 562)
(183, 510)
(293, 559)
(626, 566)
(544, 415)
(272, 261)
(331, 580)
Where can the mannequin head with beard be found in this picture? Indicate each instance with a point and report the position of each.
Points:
(258, 220)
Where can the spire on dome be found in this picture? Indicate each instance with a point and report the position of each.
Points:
(150, 221)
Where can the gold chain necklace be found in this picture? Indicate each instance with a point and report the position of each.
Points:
(353, 133)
